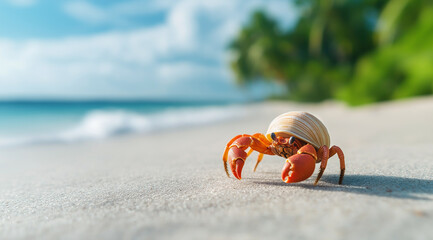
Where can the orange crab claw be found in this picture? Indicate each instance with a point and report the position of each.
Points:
(236, 158)
(298, 168)
(285, 172)
(237, 168)
(235, 152)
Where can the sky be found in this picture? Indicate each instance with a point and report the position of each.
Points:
(147, 49)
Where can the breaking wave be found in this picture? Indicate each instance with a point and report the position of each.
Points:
(99, 124)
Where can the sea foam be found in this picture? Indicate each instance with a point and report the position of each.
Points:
(101, 124)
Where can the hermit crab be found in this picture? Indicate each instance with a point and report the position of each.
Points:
(299, 137)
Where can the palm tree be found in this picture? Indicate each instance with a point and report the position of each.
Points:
(259, 51)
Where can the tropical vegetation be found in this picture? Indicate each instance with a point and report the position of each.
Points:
(358, 51)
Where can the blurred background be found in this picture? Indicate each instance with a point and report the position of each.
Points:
(89, 69)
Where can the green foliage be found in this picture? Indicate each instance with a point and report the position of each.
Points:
(400, 69)
(260, 51)
(357, 51)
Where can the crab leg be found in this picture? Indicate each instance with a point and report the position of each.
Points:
(267, 142)
(249, 152)
(335, 149)
(259, 159)
(325, 157)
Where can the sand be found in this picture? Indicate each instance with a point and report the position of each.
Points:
(172, 185)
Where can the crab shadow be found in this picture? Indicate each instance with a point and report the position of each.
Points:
(382, 186)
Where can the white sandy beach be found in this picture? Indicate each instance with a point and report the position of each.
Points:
(172, 185)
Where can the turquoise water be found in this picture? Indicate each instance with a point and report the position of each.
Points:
(59, 121)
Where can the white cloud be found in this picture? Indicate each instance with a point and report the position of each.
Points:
(185, 56)
(87, 12)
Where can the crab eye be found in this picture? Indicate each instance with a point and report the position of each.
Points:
(273, 136)
(291, 140)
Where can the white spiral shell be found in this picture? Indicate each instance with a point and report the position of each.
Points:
(302, 125)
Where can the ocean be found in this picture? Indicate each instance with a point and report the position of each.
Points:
(36, 122)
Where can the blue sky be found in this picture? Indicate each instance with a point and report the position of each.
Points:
(161, 49)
